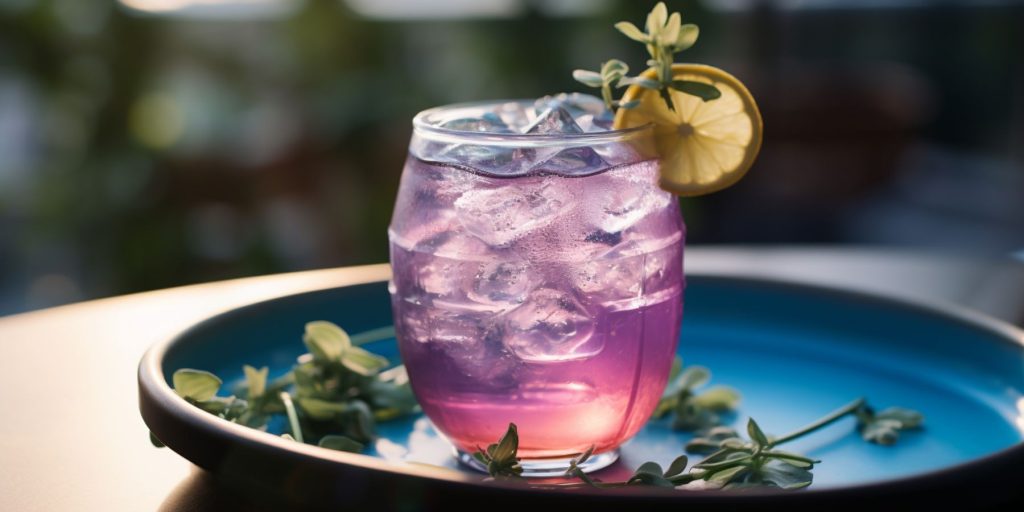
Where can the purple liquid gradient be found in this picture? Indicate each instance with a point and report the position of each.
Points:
(550, 301)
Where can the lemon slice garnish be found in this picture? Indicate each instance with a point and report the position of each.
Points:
(704, 146)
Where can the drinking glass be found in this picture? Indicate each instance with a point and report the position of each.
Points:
(537, 280)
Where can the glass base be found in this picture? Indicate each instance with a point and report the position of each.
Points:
(540, 468)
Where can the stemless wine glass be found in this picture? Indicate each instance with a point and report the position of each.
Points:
(537, 279)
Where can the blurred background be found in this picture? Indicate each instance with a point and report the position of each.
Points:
(153, 143)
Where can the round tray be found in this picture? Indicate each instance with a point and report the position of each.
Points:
(795, 352)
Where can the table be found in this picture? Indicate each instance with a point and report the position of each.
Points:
(72, 437)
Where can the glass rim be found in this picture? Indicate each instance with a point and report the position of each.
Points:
(423, 127)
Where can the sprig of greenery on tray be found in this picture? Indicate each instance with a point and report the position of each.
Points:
(731, 462)
(332, 397)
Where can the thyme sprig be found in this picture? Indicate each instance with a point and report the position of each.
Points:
(664, 37)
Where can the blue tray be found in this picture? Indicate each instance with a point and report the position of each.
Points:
(795, 352)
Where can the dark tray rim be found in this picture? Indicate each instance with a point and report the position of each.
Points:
(194, 434)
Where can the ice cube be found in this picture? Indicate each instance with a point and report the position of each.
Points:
(628, 196)
(595, 123)
(474, 344)
(575, 103)
(443, 264)
(579, 160)
(567, 161)
(454, 327)
(515, 115)
(611, 278)
(499, 216)
(489, 122)
(502, 285)
(552, 326)
(453, 243)
(553, 120)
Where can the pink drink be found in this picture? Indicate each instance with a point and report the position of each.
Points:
(548, 298)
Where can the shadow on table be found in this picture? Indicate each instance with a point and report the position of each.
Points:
(202, 492)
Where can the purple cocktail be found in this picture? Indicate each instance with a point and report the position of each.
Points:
(537, 277)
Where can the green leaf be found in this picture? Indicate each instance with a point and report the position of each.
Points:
(508, 445)
(363, 362)
(717, 437)
(885, 432)
(652, 468)
(256, 380)
(656, 19)
(686, 38)
(694, 377)
(884, 427)
(795, 459)
(630, 104)
(706, 92)
(785, 475)
(629, 30)
(308, 379)
(588, 78)
(652, 479)
(195, 384)
(908, 419)
(646, 83)
(481, 457)
(756, 434)
(321, 409)
(729, 460)
(691, 417)
(733, 443)
(718, 398)
(726, 475)
(362, 427)
(701, 445)
(613, 69)
(156, 442)
(340, 443)
(326, 341)
(677, 466)
(252, 419)
(212, 406)
(391, 400)
(669, 36)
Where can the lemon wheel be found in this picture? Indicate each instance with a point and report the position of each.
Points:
(704, 146)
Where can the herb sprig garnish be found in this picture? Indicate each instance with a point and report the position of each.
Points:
(333, 397)
(732, 462)
(665, 36)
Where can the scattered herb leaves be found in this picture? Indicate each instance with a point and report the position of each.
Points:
(333, 397)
